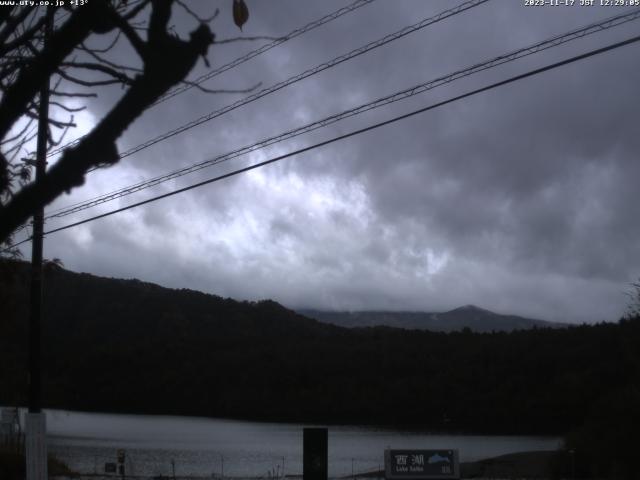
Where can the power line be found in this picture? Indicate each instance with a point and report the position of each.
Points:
(492, 86)
(293, 34)
(306, 74)
(301, 76)
(401, 95)
(244, 58)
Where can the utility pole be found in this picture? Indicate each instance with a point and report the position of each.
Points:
(36, 426)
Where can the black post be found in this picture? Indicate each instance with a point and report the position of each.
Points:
(315, 454)
(36, 438)
(35, 312)
(572, 452)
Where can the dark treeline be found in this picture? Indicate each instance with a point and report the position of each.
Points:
(128, 346)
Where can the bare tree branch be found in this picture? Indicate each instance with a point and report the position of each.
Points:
(62, 42)
(13, 22)
(18, 135)
(23, 37)
(132, 36)
(136, 10)
(98, 147)
(121, 77)
(197, 17)
(104, 61)
(56, 143)
(16, 148)
(5, 14)
(86, 83)
(58, 93)
(107, 48)
(52, 121)
(67, 108)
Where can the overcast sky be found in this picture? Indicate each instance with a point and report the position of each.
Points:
(521, 200)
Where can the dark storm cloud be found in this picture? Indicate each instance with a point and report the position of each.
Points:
(522, 199)
(533, 172)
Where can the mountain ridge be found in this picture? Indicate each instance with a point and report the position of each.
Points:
(129, 346)
(477, 319)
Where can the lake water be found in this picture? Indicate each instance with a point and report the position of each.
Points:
(233, 448)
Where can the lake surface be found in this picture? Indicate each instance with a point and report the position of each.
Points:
(234, 448)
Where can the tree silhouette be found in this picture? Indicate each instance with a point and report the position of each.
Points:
(633, 309)
(26, 60)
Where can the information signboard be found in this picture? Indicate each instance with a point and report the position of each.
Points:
(421, 464)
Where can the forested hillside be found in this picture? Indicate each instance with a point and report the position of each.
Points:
(129, 346)
(474, 318)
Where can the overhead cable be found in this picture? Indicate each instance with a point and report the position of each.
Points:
(492, 86)
(240, 60)
(306, 74)
(246, 57)
(401, 95)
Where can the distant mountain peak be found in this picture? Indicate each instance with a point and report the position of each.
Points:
(470, 307)
(470, 310)
(468, 316)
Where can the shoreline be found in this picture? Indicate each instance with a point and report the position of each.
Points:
(534, 464)
(523, 465)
